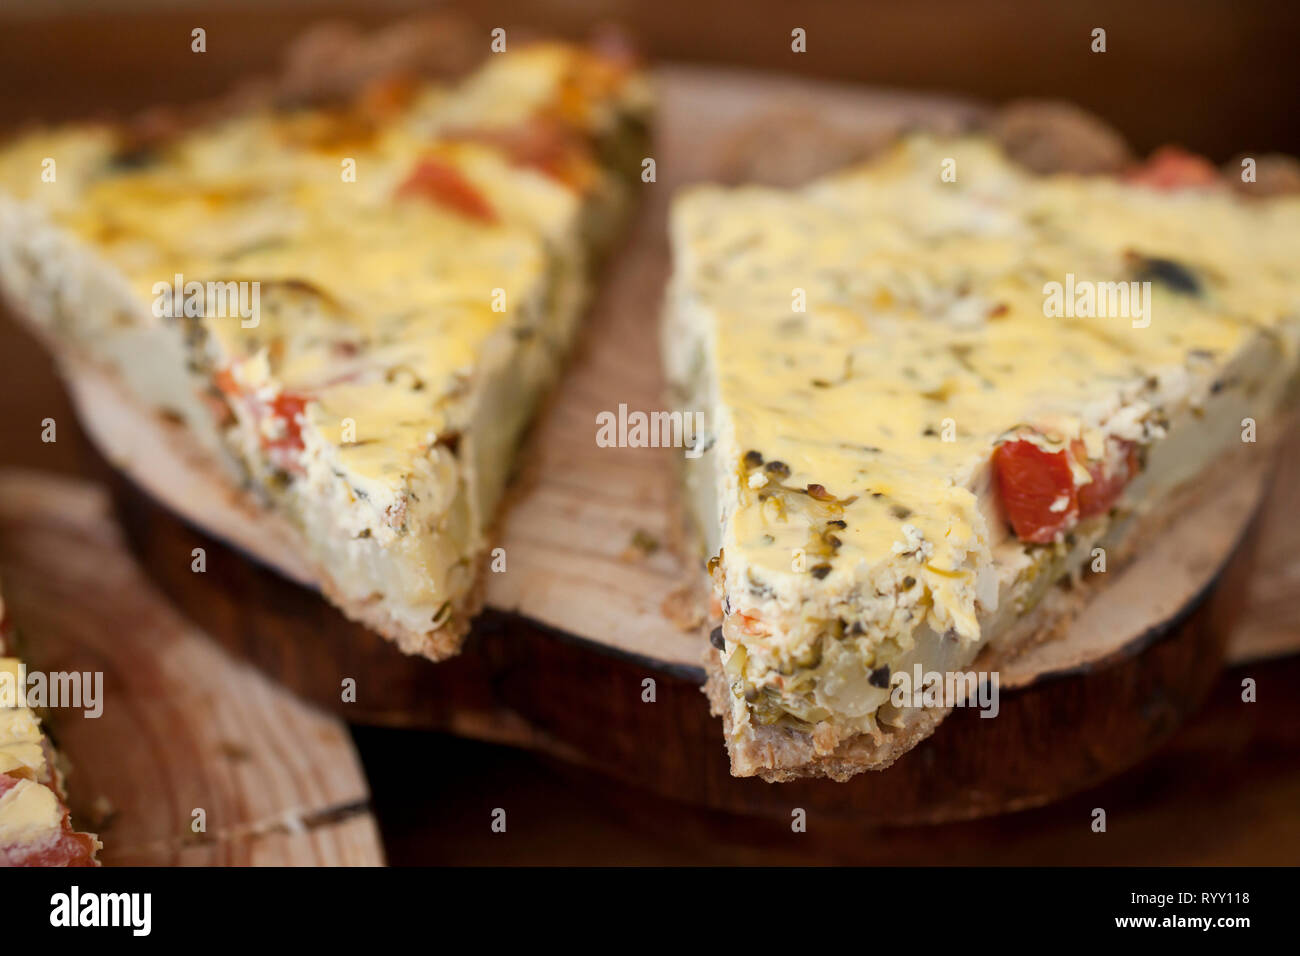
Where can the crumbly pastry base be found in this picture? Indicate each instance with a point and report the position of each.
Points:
(780, 754)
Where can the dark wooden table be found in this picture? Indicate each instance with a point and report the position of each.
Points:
(1224, 791)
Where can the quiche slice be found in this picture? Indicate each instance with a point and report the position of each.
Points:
(930, 401)
(356, 307)
(35, 826)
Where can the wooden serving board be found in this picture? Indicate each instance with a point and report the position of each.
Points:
(183, 725)
(582, 616)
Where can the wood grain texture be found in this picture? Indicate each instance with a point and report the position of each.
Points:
(183, 725)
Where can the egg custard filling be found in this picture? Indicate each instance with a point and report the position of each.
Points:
(930, 401)
(356, 307)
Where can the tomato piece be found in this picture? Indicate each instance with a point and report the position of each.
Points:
(224, 379)
(540, 143)
(70, 848)
(444, 184)
(1037, 490)
(1109, 479)
(287, 408)
(1098, 495)
(1170, 167)
(1037, 487)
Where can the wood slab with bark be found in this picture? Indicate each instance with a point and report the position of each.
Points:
(183, 726)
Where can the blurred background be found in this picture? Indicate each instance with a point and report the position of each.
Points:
(1218, 76)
